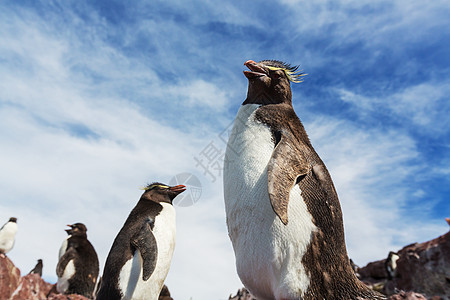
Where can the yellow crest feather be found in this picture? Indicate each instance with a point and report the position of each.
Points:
(293, 76)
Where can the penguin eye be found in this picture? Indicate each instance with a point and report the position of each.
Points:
(276, 75)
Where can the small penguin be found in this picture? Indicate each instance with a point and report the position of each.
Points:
(140, 256)
(283, 214)
(78, 267)
(391, 264)
(37, 268)
(7, 236)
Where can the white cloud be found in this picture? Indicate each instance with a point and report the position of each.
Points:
(200, 93)
(421, 105)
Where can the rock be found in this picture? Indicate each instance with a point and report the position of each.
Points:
(407, 296)
(242, 294)
(31, 287)
(66, 297)
(422, 267)
(9, 278)
(373, 271)
(425, 267)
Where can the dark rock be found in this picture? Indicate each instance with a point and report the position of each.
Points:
(407, 296)
(373, 271)
(421, 267)
(425, 267)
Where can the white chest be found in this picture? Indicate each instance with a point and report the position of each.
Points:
(63, 247)
(63, 282)
(130, 278)
(7, 236)
(263, 245)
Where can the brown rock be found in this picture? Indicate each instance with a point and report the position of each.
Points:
(407, 296)
(425, 267)
(31, 287)
(373, 271)
(66, 297)
(9, 278)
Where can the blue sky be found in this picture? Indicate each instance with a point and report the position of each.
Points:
(99, 98)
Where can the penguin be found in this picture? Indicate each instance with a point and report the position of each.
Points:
(283, 214)
(78, 267)
(391, 265)
(140, 256)
(8, 236)
(37, 268)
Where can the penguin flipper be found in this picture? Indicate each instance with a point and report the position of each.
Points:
(145, 242)
(64, 260)
(285, 167)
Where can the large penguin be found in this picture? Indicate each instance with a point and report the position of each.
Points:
(140, 256)
(78, 267)
(283, 214)
(8, 236)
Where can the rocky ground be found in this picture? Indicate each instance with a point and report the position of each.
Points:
(13, 286)
(422, 273)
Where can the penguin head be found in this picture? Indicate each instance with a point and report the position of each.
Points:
(77, 228)
(159, 192)
(12, 219)
(269, 81)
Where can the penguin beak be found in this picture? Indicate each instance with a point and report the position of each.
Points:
(69, 230)
(178, 188)
(255, 70)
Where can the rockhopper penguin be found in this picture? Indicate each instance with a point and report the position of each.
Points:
(283, 214)
(8, 236)
(78, 267)
(140, 256)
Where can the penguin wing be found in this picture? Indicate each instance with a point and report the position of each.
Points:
(64, 260)
(286, 166)
(145, 242)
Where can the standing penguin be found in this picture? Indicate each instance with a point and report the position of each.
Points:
(140, 256)
(390, 264)
(77, 268)
(37, 268)
(283, 214)
(8, 236)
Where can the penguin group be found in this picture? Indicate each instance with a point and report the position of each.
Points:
(282, 212)
(139, 259)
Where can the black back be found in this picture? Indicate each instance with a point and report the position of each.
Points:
(123, 249)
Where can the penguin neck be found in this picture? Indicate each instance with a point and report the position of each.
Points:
(81, 235)
(264, 98)
(144, 206)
